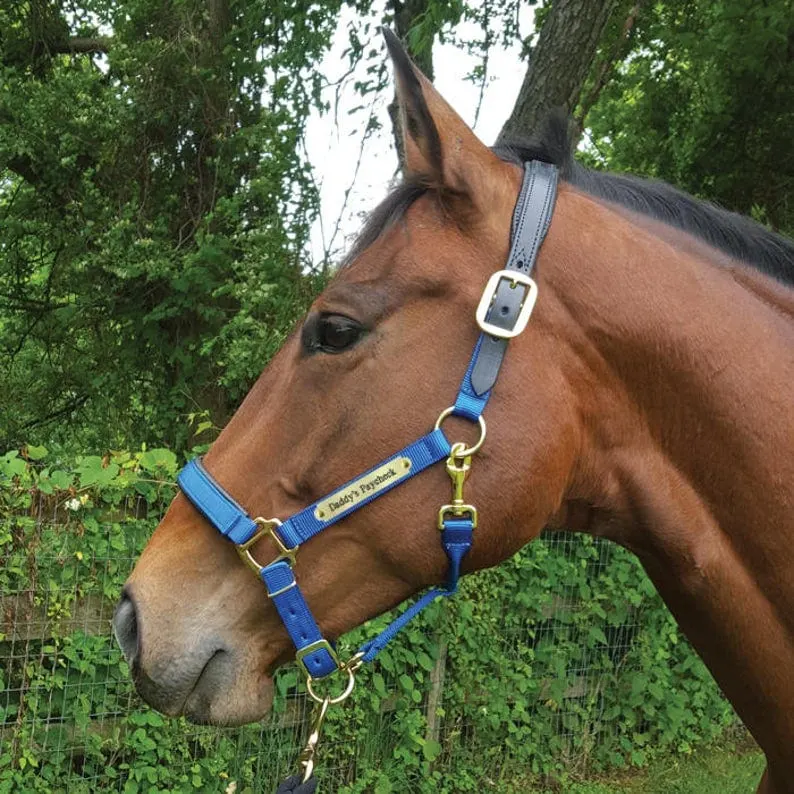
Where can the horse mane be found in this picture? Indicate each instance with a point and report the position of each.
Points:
(734, 234)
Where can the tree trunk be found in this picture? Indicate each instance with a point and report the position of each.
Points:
(618, 52)
(558, 64)
(406, 15)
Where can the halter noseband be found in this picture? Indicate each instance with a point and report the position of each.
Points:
(502, 313)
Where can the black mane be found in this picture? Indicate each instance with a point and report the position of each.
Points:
(736, 235)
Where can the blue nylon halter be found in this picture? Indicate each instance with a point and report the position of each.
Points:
(503, 312)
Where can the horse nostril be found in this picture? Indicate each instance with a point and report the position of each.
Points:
(125, 627)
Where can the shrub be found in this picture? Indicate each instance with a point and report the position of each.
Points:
(560, 661)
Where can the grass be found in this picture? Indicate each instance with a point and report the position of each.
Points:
(732, 767)
(727, 770)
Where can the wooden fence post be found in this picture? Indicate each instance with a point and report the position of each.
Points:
(436, 691)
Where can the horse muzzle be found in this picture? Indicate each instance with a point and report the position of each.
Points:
(203, 679)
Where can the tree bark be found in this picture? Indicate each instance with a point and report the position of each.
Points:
(558, 64)
(406, 15)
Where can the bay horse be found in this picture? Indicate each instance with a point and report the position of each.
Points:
(648, 401)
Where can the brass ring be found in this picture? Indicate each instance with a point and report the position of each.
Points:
(351, 682)
(463, 453)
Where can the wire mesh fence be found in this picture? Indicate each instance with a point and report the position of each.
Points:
(562, 661)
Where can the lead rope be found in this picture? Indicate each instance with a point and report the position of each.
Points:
(294, 785)
(449, 515)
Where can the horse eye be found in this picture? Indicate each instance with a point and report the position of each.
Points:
(333, 333)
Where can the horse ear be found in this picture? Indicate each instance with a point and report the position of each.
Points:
(440, 148)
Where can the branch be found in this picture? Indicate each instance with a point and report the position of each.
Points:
(80, 44)
(485, 59)
(328, 248)
(73, 405)
(13, 303)
(607, 66)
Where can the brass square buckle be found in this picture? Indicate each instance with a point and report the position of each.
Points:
(316, 646)
(489, 296)
(268, 529)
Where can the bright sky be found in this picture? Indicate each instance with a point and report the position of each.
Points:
(334, 145)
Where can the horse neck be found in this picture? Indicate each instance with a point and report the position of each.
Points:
(687, 458)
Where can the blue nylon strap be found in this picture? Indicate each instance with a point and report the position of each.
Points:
(468, 403)
(424, 452)
(372, 648)
(456, 538)
(220, 509)
(229, 518)
(279, 578)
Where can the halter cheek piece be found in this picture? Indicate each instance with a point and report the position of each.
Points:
(503, 312)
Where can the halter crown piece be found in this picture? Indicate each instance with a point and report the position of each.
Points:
(503, 313)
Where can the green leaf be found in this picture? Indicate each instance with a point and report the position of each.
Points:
(61, 480)
(12, 465)
(638, 757)
(36, 453)
(424, 661)
(379, 684)
(383, 786)
(597, 633)
(155, 460)
(431, 749)
(286, 681)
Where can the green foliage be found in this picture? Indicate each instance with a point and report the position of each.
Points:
(562, 660)
(154, 206)
(155, 201)
(703, 100)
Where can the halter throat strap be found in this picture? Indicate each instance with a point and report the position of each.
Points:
(503, 312)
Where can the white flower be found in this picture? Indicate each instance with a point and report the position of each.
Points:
(73, 504)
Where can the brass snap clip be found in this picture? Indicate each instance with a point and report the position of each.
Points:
(323, 703)
(310, 750)
(458, 468)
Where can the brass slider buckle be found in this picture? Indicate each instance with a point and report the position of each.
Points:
(515, 278)
(316, 646)
(268, 529)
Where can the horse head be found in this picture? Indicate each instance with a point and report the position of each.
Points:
(369, 369)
